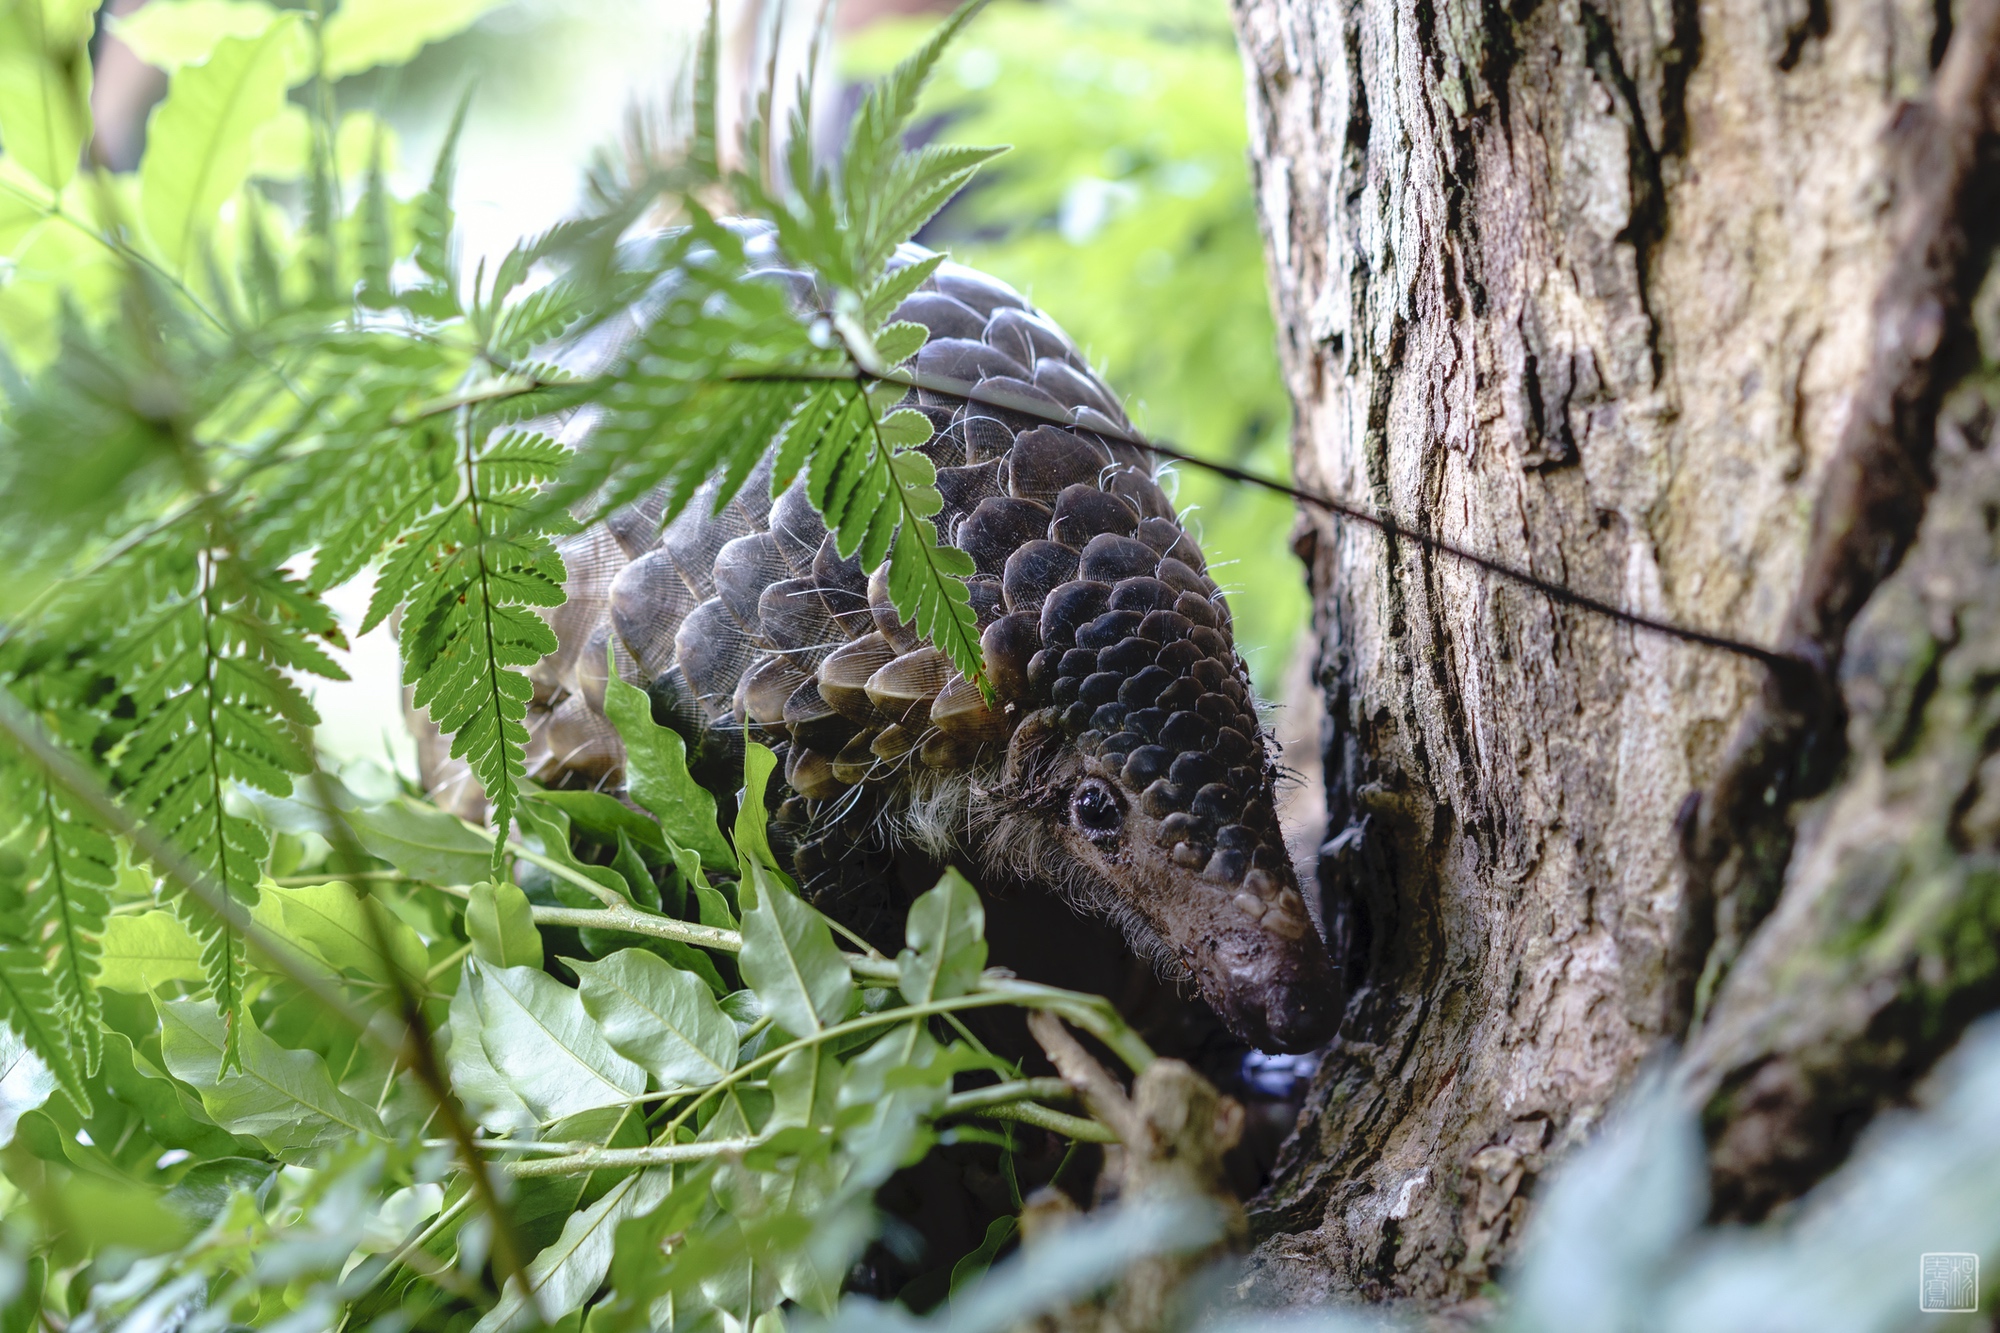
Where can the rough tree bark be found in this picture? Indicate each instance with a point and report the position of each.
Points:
(1595, 286)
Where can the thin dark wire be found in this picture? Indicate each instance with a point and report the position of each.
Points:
(1783, 663)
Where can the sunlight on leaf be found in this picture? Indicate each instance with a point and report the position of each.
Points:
(198, 140)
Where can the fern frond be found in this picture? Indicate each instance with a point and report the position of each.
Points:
(886, 192)
(470, 576)
(72, 865)
(67, 864)
(29, 1006)
(436, 221)
(204, 662)
(687, 401)
(877, 492)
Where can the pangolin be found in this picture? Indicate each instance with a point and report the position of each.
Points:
(1122, 763)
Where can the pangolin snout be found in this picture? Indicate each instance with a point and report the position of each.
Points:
(1279, 994)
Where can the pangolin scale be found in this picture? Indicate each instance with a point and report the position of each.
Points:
(1123, 763)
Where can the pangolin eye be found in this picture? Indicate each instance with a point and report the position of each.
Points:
(1097, 809)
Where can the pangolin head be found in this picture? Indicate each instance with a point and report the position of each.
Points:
(1138, 779)
(1114, 752)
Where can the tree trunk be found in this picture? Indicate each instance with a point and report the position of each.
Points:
(1595, 287)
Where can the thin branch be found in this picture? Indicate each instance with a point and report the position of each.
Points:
(998, 1094)
(627, 1159)
(1388, 525)
(1041, 1117)
(626, 918)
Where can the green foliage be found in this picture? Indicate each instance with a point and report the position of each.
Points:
(1124, 209)
(276, 1052)
(656, 776)
(198, 150)
(500, 923)
(45, 86)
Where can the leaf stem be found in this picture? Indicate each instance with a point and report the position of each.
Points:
(998, 1094)
(887, 1018)
(484, 391)
(626, 918)
(615, 1159)
(1028, 1113)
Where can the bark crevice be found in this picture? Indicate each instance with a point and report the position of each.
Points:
(1569, 283)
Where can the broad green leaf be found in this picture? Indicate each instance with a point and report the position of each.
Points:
(285, 1099)
(500, 922)
(26, 1083)
(104, 1211)
(713, 909)
(423, 841)
(198, 140)
(660, 1016)
(23, 205)
(365, 33)
(549, 825)
(330, 922)
(398, 1217)
(542, 1042)
(656, 774)
(603, 817)
(45, 85)
(282, 147)
(53, 265)
(789, 957)
(636, 1267)
(946, 930)
(489, 1096)
(898, 1081)
(640, 886)
(804, 1086)
(172, 1116)
(168, 34)
(752, 842)
(566, 1274)
(145, 950)
(210, 1186)
(687, 958)
(998, 1232)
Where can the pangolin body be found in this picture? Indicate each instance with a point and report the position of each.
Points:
(1122, 764)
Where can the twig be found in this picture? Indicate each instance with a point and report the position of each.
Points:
(1041, 1117)
(998, 1094)
(626, 1159)
(1388, 525)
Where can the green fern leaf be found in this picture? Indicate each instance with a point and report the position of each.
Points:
(912, 190)
(205, 661)
(892, 289)
(71, 866)
(686, 403)
(878, 493)
(875, 149)
(29, 1006)
(470, 576)
(704, 152)
(57, 906)
(435, 221)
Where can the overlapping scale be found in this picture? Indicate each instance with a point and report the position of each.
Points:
(1095, 607)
